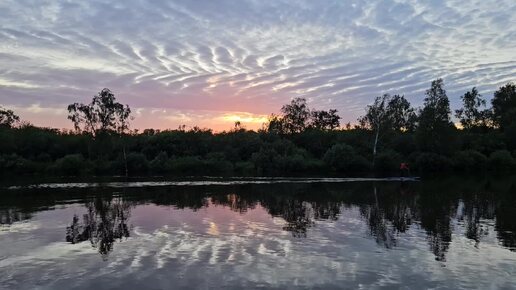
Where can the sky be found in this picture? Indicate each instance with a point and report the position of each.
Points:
(211, 63)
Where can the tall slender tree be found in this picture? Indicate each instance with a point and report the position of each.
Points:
(434, 131)
(376, 118)
(103, 116)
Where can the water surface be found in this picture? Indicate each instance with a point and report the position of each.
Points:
(296, 233)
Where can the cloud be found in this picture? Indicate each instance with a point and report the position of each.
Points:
(250, 56)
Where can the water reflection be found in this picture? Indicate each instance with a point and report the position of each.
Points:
(440, 209)
(103, 224)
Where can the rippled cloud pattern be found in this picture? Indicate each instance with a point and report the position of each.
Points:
(211, 63)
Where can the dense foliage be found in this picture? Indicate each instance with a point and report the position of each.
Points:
(297, 141)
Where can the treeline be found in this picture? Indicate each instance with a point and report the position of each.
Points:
(299, 140)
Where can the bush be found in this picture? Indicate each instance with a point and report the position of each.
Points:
(387, 161)
(432, 162)
(73, 164)
(160, 164)
(136, 163)
(298, 164)
(44, 158)
(244, 168)
(13, 163)
(266, 160)
(359, 164)
(404, 144)
(189, 165)
(469, 160)
(216, 163)
(501, 160)
(106, 167)
(342, 157)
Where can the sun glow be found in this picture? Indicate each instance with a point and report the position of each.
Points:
(245, 118)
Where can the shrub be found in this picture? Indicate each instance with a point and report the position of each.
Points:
(188, 165)
(501, 160)
(136, 163)
(342, 157)
(44, 158)
(267, 160)
(387, 161)
(104, 167)
(469, 160)
(359, 164)
(73, 164)
(216, 163)
(160, 163)
(244, 168)
(432, 162)
(13, 163)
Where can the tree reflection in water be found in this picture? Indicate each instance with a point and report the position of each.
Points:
(105, 222)
(9, 216)
(388, 209)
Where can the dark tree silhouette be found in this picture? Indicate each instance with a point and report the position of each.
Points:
(8, 118)
(387, 115)
(103, 114)
(471, 115)
(295, 116)
(324, 120)
(435, 132)
(504, 106)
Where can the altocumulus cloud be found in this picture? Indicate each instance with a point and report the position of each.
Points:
(213, 62)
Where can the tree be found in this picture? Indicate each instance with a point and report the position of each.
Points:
(295, 116)
(324, 120)
(388, 114)
(471, 115)
(238, 126)
(102, 115)
(8, 118)
(400, 114)
(376, 118)
(275, 124)
(435, 129)
(504, 106)
(436, 105)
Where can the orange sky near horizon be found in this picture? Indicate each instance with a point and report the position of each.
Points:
(161, 119)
